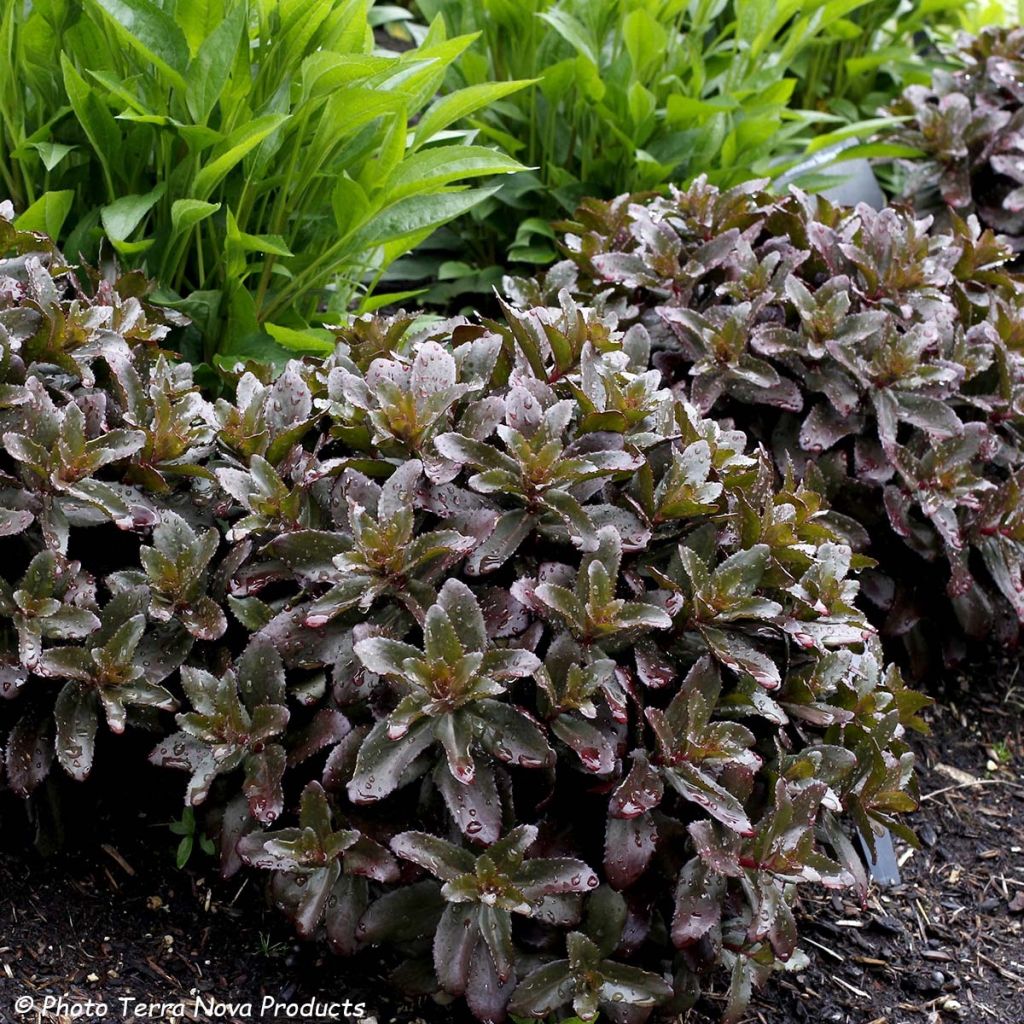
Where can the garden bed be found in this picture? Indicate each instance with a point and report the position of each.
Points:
(110, 917)
(948, 943)
(540, 658)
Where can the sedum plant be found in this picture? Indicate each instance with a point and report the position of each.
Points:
(73, 653)
(263, 160)
(967, 128)
(603, 700)
(876, 355)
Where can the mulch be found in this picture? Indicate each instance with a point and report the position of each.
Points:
(948, 943)
(111, 918)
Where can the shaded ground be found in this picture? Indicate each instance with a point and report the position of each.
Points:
(946, 945)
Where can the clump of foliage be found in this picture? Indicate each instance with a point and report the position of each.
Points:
(481, 641)
(871, 51)
(878, 357)
(968, 125)
(261, 159)
(88, 405)
(631, 95)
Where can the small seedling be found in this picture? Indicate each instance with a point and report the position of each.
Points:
(187, 828)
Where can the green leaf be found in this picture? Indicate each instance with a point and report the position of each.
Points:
(94, 117)
(240, 242)
(572, 31)
(308, 339)
(152, 32)
(241, 141)
(208, 72)
(198, 19)
(121, 217)
(415, 214)
(52, 153)
(379, 300)
(349, 203)
(433, 168)
(184, 852)
(459, 104)
(47, 214)
(186, 213)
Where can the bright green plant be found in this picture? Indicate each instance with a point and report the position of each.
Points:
(632, 95)
(190, 833)
(259, 158)
(868, 55)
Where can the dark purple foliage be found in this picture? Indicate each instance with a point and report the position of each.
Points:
(880, 359)
(482, 641)
(968, 126)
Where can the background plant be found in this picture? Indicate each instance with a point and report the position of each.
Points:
(255, 156)
(633, 95)
(876, 356)
(968, 125)
(585, 754)
(874, 50)
(628, 96)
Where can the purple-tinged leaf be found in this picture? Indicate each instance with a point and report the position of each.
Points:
(593, 747)
(628, 847)
(544, 991)
(29, 753)
(698, 906)
(693, 784)
(641, 790)
(76, 716)
(347, 903)
(441, 858)
(476, 807)
(403, 914)
(457, 935)
(510, 736)
(487, 992)
(382, 761)
(262, 787)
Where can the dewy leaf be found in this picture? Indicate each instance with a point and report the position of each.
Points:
(437, 856)
(695, 785)
(497, 587)
(382, 761)
(737, 653)
(29, 752)
(76, 719)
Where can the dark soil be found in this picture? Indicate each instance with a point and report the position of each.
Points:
(111, 918)
(948, 943)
